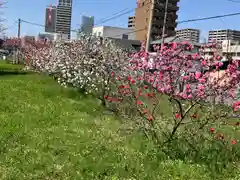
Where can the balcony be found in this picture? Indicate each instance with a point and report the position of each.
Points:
(161, 8)
(169, 15)
(157, 29)
(159, 22)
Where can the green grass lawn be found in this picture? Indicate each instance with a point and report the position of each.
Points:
(8, 69)
(48, 132)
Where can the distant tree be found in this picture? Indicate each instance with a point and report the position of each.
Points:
(2, 20)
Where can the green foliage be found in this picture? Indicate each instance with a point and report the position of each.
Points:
(238, 94)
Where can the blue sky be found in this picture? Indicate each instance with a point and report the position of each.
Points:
(34, 11)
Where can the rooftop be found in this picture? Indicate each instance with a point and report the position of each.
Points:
(176, 39)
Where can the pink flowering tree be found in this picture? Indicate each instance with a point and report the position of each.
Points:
(175, 92)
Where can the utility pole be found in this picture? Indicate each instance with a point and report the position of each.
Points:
(19, 41)
(19, 28)
(150, 26)
(164, 23)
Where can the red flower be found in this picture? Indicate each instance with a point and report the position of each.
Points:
(119, 78)
(145, 87)
(121, 86)
(178, 116)
(148, 95)
(150, 118)
(234, 142)
(139, 103)
(195, 116)
(133, 81)
(105, 97)
(212, 130)
(113, 74)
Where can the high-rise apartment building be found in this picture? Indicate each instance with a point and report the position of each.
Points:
(87, 24)
(50, 19)
(143, 12)
(225, 34)
(189, 34)
(64, 17)
(131, 22)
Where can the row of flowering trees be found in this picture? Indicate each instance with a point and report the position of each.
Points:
(169, 95)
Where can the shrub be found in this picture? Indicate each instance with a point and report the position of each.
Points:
(172, 97)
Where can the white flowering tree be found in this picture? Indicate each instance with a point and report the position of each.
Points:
(2, 27)
(86, 64)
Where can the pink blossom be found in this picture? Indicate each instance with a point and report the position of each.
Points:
(218, 57)
(236, 106)
(190, 96)
(195, 56)
(174, 45)
(188, 86)
(204, 62)
(198, 75)
(201, 80)
(185, 78)
(220, 64)
(201, 87)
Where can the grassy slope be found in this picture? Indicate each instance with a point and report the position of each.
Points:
(52, 133)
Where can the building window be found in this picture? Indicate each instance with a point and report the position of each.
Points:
(99, 33)
(125, 36)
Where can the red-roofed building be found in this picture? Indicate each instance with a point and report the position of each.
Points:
(11, 44)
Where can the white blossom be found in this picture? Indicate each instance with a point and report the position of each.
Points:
(84, 63)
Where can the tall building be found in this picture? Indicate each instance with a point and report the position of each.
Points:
(131, 22)
(223, 34)
(189, 34)
(50, 19)
(87, 24)
(64, 17)
(143, 12)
